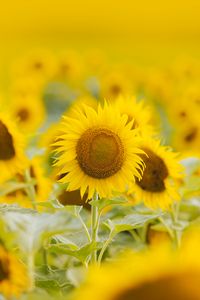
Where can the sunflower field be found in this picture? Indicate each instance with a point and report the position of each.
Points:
(100, 150)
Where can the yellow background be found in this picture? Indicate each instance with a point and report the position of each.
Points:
(145, 30)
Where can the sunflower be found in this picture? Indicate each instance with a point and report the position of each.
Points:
(25, 87)
(42, 186)
(29, 112)
(40, 65)
(184, 117)
(13, 275)
(79, 103)
(98, 150)
(70, 66)
(157, 273)
(12, 158)
(158, 186)
(115, 84)
(137, 112)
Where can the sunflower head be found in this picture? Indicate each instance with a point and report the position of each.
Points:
(159, 183)
(138, 113)
(12, 158)
(13, 275)
(99, 149)
(7, 150)
(29, 112)
(154, 174)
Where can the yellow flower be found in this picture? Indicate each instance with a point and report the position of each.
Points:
(184, 117)
(12, 158)
(137, 112)
(25, 87)
(158, 187)
(115, 84)
(98, 150)
(29, 112)
(40, 65)
(79, 103)
(42, 186)
(13, 275)
(157, 273)
(70, 66)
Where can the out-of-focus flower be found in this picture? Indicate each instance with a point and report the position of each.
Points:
(29, 113)
(137, 112)
(158, 186)
(157, 273)
(13, 275)
(12, 144)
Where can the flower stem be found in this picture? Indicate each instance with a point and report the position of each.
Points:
(94, 227)
(31, 271)
(105, 246)
(175, 218)
(85, 228)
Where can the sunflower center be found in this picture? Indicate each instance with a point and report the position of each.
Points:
(179, 287)
(154, 173)
(23, 114)
(191, 135)
(115, 89)
(38, 65)
(100, 153)
(4, 270)
(7, 150)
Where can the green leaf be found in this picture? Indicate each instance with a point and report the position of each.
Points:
(191, 187)
(129, 222)
(103, 203)
(81, 254)
(10, 187)
(31, 229)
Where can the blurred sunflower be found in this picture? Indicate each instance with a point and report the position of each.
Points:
(158, 273)
(137, 112)
(79, 104)
(12, 157)
(46, 141)
(115, 84)
(25, 87)
(73, 198)
(158, 186)
(29, 112)
(98, 150)
(186, 138)
(40, 65)
(42, 186)
(13, 275)
(70, 66)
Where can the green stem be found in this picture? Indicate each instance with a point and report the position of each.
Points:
(135, 235)
(31, 271)
(94, 227)
(170, 231)
(85, 228)
(45, 255)
(30, 189)
(174, 216)
(105, 246)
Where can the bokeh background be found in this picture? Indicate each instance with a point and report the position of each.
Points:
(145, 31)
